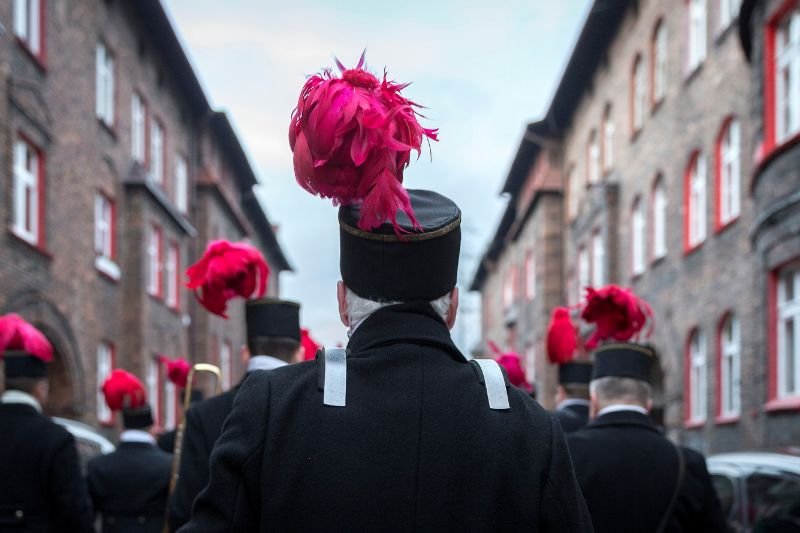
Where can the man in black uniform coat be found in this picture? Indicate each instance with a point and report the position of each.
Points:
(633, 478)
(41, 485)
(129, 486)
(572, 396)
(166, 441)
(273, 340)
(402, 434)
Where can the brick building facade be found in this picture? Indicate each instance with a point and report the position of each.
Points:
(669, 185)
(118, 173)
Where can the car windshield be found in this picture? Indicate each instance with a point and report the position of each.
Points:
(774, 501)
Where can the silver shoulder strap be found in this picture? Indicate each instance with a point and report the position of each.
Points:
(335, 389)
(495, 383)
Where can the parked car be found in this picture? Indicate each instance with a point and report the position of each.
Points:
(759, 492)
(88, 441)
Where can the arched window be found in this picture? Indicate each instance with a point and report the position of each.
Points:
(696, 384)
(729, 173)
(729, 368)
(593, 158)
(608, 139)
(659, 219)
(697, 34)
(695, 200)
(638, 94)
(659, 62)
(638, 237)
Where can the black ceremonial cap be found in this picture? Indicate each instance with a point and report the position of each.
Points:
(575, 372)
(269, 317)
(624, 360)
(137, 418)
(20, 364)
(381, 265)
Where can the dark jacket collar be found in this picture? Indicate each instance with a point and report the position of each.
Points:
(128, 445)
(624, 418)
(19, 409)
(407, 323)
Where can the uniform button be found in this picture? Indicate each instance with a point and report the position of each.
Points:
(19, 513)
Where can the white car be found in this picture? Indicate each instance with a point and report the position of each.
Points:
(88, 441)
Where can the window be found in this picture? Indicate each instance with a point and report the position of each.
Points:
(104, 85)
(28, 17)
(105, 236)
(154, 284)
(105, 364)
(789, 331)
(659, 63)
(173, 275)
(508, 288)
(697, 377)
(583, 271)
(157, 153)
(530, 364)
(572, 192)
(697, 34)
(171, 407)
(28, 192)
(729, 174)
(659, 219)
(728, 11)
(530, 276)
(181, 184)
(787, 82)
(608, 139)
(729, 367)
(639, 95)
(696, 201)
(138, 128)
(154, 389)
(225, 363)
(598, 260)
(593, 152)
(638, 240)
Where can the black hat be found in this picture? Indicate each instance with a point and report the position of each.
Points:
(137, 418)
(417, 264)
(575, 372)
(19, 364)
(623, 360)
(269, 317)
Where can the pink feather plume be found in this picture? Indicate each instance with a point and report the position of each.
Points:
(17, 334)
(352, 138)
(309, 345)
(177, 370)
(123, 390)
(513, 366)
(562, 339)
(617, 313)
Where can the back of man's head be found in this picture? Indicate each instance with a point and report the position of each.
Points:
(576, 391)
(608, 391)
(283, 348)
(36, 387)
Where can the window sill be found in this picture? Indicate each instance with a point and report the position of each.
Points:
(693, 72)
(637, 276)
(726, 420)
(791, 403)
(34, 246)
(37, 59)
(690, 249)
(722, 226)
(107, 267)
(635, 134)
(109, 128)
(656, 105)
(694, 424)
(723, 32)
(155, 296)
(655, 261)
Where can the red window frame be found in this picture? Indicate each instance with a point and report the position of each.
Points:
(41, 57)
(688, 246)
(688, 421)
(719, 225)
(720, 417)
(159, 257)
(657, 181)
(173, 246)
(108, 422)
(774, 402)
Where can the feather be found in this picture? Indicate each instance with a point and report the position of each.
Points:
(177, 370)
(562, 339)
(17, 334)
(225, 271)
(123, 390)
(617, 313)
(351, 138)
(310, 347)
(513, 366)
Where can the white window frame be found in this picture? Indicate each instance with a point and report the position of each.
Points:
(104, 85)
(105, 364)
(698, 382)
(103, 226)
(154, 243)
(787, 77)
(789, 319)
(638, 237)
(225, 358)
(181, 184)
(508, 289)
(530, 363)
(157, 153)
(660, 204)
(584, 270)
(171, 267)
(730, 365)
(698, 34)
(594, 159)
(152, 381)
(697, 201)
(728, 12)
(598, 259)
(138, 128)
(530, 275)
(170, 405)
(639, 93)
(27, 201)
(660, 63)
(730, 173)
(608, 139)
(28, 24)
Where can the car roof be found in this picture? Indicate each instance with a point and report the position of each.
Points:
(755, 460)
(85, 432)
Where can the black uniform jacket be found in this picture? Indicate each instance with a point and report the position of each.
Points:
(416, 448)
(627, 470)
(573, 417)
(166, 441)
(41, 485)
(130, 487)
(203, 427)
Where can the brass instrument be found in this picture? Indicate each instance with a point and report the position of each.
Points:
(187, 397)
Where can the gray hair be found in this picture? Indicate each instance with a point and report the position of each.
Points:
(615, 390)
(359, 309)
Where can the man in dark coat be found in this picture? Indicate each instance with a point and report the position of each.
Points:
(633, 478)
(400, 432)
(41, 485)
(572, 396)
(129, 486)
(273, 340)
(166, 441)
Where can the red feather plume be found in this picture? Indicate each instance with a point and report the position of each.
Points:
(562, 339)
(616, 312)
(17, 334)
(177, 370)
(516, 374)
(310, 346)
(225, 271)
(123, 390)
(352, 137)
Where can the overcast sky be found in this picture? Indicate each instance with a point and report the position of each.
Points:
(483, 72)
